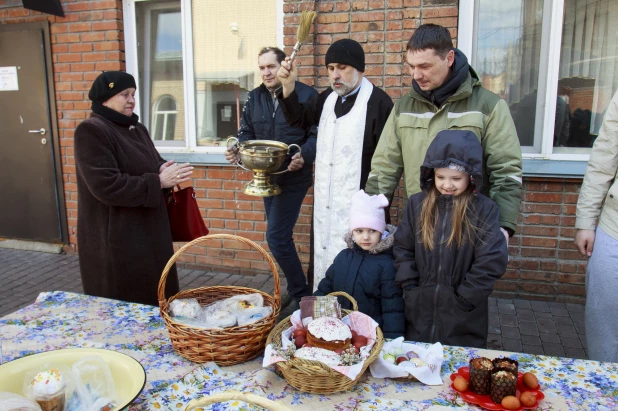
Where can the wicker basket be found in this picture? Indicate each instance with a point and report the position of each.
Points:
(239, 396)
(314, 376)
(226, 346)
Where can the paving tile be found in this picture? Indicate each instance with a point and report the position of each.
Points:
(534, 349)
(554, 349)
(566, 330)
(540, 306)
(511, 332)
(530, 340)
(575, 353)
(231, 280)
(571, 342)
(494, 329)
(553, 304)
(575, 308)
(559, 311)
(506, 308)
(525, 314)
(577, 316)
(243, 281)
(522, 304)
(546, 326)
(562, 320)
(528, 328)
(542, 314)
(508, 320)
(510, 344)
(494, 341)
(216, 280)
(504, 301)
(492, 301)
(261, 277)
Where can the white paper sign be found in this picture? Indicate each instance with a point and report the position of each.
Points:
(8, 79)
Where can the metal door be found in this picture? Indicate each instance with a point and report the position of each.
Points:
(31, 203)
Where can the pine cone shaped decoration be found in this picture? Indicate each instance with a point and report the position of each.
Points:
(507, 363)
(503, 383)
(480, 375)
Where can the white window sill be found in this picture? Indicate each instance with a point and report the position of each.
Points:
(531, 167)
(554, 168)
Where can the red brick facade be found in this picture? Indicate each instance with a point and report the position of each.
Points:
(544, 263)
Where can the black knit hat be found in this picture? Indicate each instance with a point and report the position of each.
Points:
(110, 83)
(346, 51)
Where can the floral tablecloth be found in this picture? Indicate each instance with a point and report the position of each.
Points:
(63, 320)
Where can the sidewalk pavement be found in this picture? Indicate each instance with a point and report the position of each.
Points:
(534, 327)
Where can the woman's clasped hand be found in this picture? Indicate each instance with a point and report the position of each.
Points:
(171, 173)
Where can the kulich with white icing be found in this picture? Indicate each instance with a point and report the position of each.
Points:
(47, 383)
(327, 357)
(329, 329)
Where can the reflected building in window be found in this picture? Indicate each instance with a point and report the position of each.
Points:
(507, 48)
(225, 39)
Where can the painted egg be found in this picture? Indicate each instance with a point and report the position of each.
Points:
(510, 403)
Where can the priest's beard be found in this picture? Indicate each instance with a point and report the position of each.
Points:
(348, 87)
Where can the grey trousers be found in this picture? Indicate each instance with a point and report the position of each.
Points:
(601, 317)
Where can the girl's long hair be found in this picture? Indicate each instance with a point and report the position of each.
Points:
(462, 229)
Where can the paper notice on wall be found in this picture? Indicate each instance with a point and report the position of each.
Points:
(8, 79)
(226, 113)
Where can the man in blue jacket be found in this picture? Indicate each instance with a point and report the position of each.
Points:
(263, 119)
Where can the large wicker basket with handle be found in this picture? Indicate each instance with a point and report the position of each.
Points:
(239, 396)
(227, 346)
(314, 376)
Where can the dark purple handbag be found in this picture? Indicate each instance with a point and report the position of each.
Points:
(186, 221)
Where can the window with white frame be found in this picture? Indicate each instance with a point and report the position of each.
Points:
(196, 62)
(164, 119)
(555, 62)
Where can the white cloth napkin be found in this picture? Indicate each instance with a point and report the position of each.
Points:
(428, 374)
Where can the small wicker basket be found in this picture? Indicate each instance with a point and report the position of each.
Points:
(239, 396)
(227, 346)
(314, 376)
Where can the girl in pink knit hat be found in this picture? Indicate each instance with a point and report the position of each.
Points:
(365, 269)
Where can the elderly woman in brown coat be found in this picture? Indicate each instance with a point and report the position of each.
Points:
(123, 233)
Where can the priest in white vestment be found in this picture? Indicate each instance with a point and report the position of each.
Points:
(350, 116)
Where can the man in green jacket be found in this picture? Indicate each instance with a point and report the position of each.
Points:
(447, 94)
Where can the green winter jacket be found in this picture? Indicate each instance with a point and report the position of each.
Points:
(415, 121)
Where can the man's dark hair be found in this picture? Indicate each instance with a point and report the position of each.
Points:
(278, 52)
(431, 36)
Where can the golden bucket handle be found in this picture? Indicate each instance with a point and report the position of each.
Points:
(227, 144)
(289, 147)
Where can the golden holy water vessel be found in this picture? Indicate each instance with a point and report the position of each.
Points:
(263, 158)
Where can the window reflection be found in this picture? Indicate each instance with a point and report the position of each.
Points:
(164, 124)
(227, 37)
(508, 48)
(161, 70)
(588, 75)
(506, 55)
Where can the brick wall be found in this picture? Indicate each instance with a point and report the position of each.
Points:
(544, 263)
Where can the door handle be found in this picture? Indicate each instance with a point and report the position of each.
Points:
(41, 131)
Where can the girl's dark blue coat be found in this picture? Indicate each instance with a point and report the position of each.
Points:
(369, 277)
